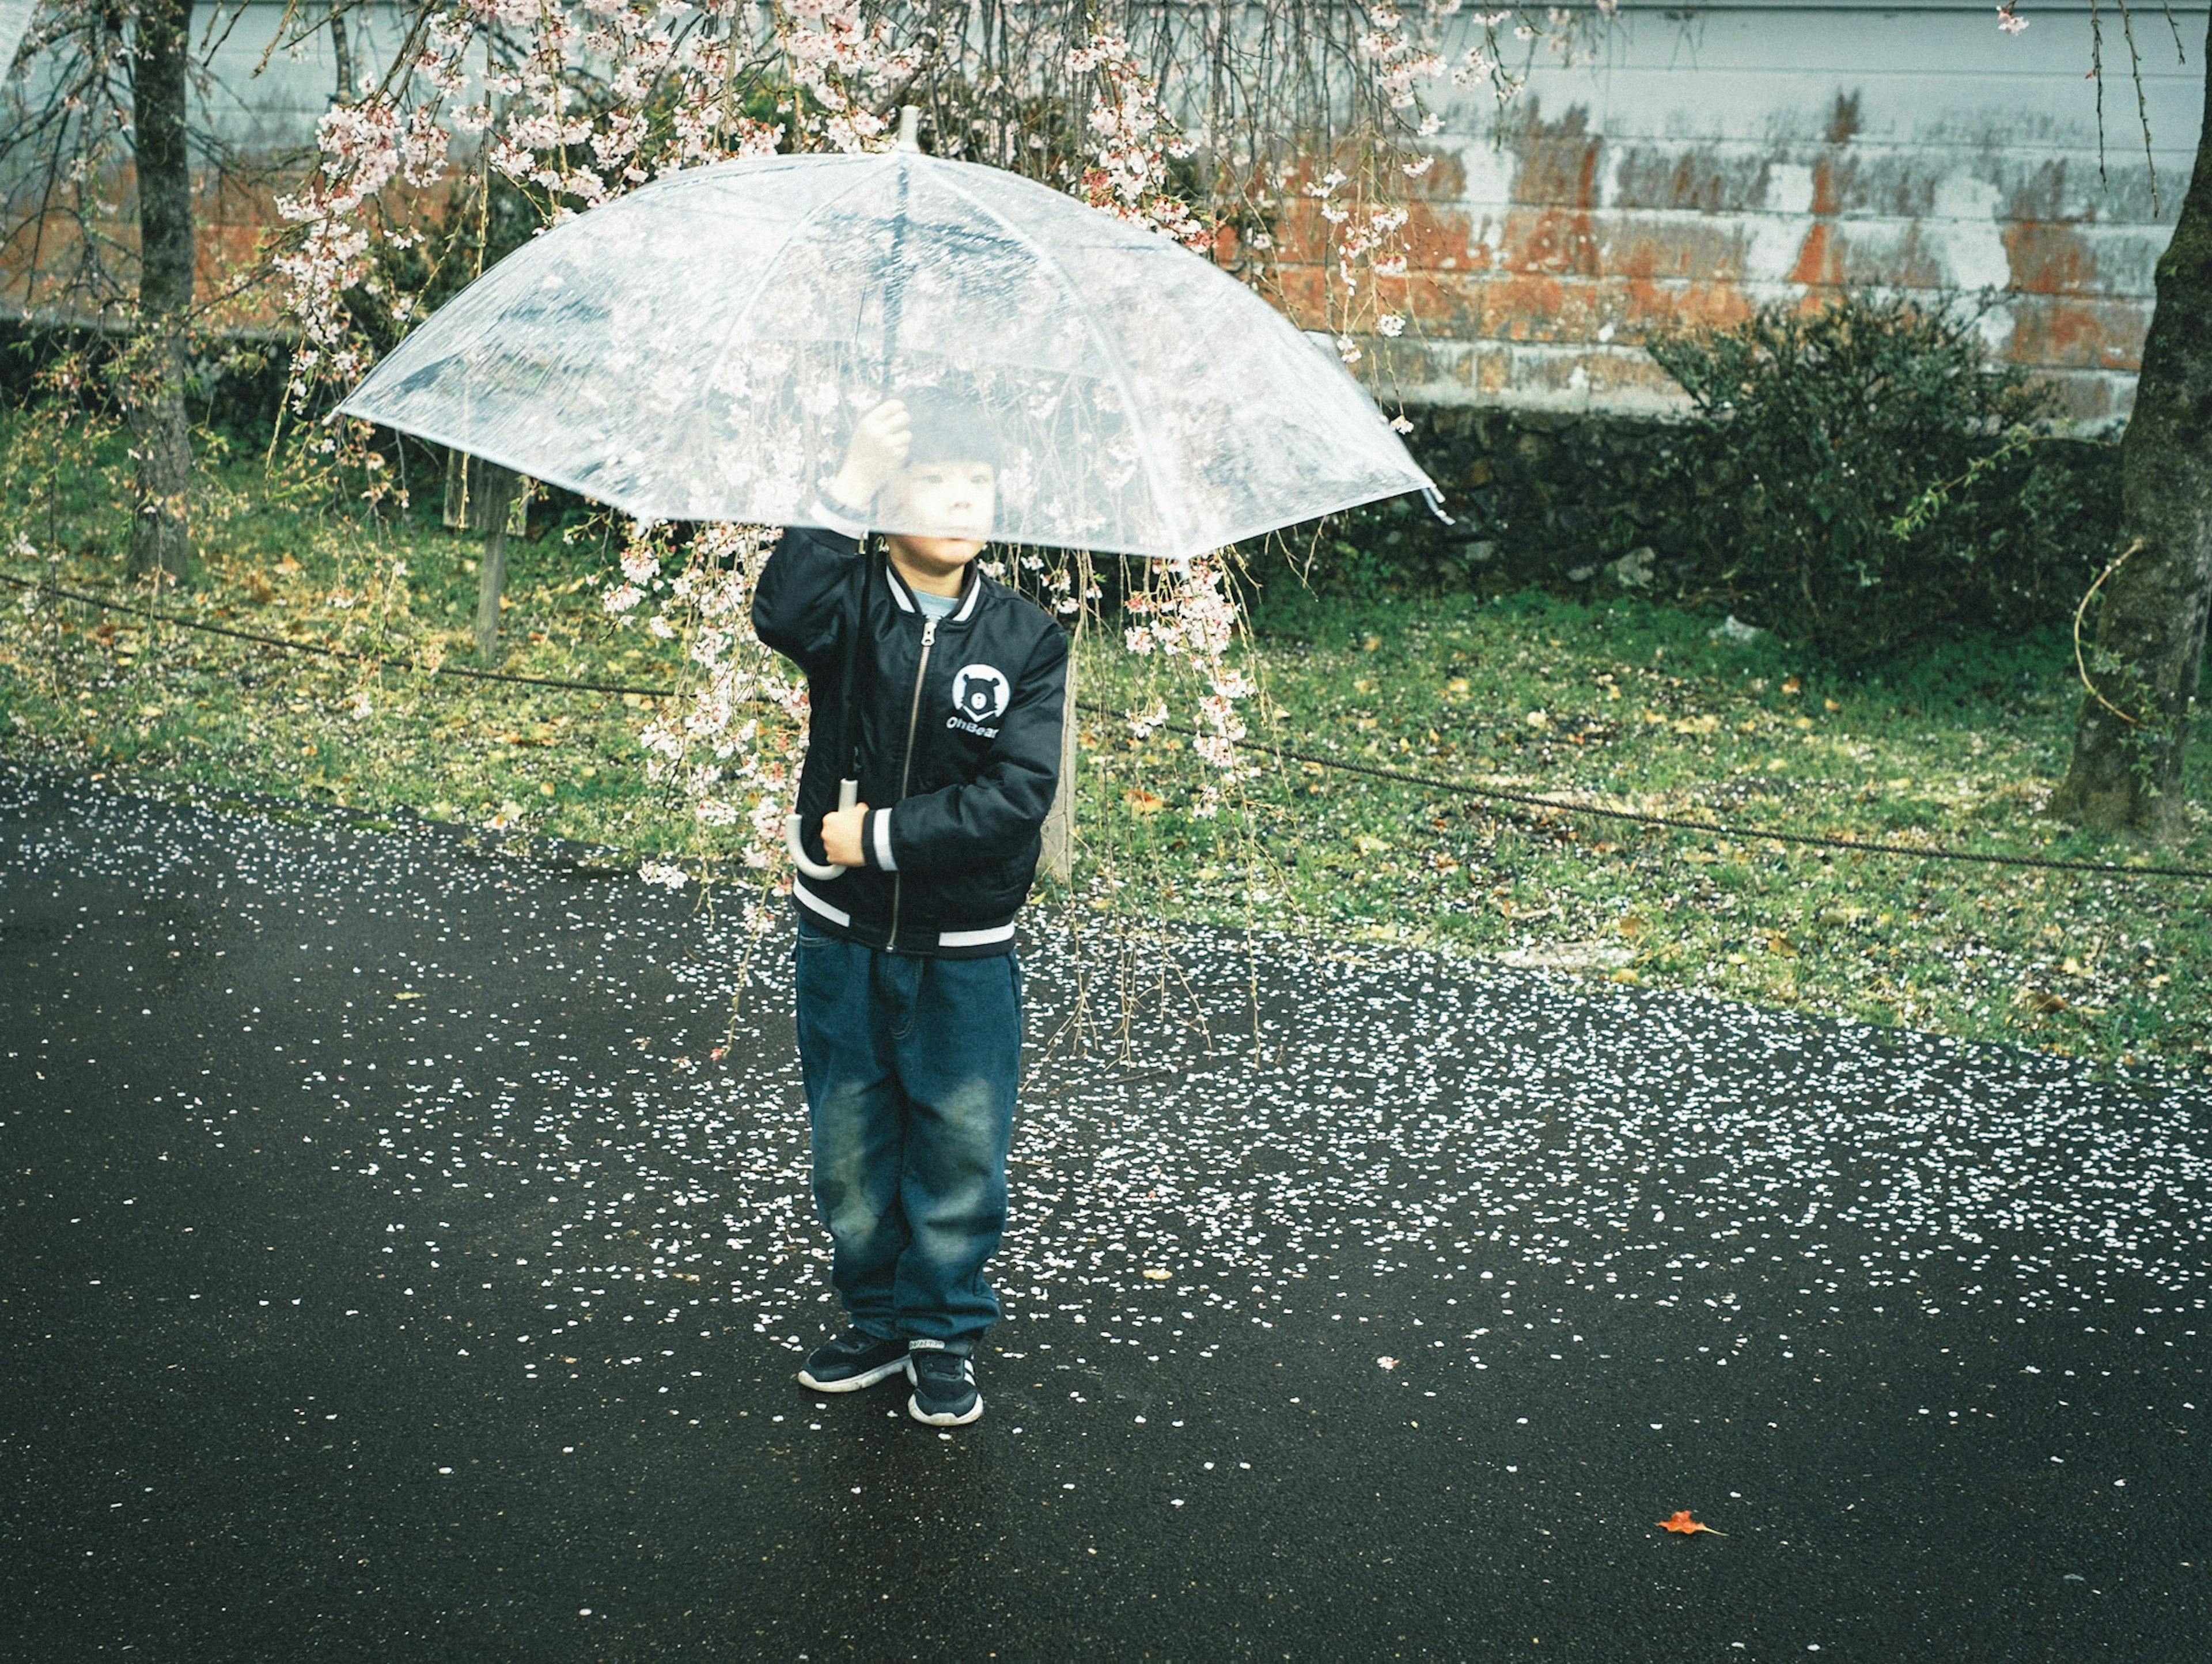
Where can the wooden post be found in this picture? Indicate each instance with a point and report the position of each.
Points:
(491, 576)
(1060, 823)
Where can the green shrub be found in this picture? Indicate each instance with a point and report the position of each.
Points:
(1814, 432)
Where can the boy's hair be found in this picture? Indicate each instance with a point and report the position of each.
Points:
(948, 428)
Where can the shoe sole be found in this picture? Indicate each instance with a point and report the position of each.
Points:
(913, 1408)
(854, 1383)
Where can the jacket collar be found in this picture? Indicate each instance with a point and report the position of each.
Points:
(971, 591)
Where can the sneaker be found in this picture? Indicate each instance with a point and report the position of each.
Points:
(852, 1361)
(945, 1392)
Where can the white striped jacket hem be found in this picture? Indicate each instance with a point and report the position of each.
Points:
(946, 939)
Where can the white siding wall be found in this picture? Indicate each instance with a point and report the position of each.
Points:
(1711, 158)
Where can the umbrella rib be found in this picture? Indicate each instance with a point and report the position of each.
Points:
(861, 176)
(1169, 510)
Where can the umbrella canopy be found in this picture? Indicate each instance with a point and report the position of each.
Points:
(15, 23)
(700, 348)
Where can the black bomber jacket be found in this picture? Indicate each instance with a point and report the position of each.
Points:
(959, 744)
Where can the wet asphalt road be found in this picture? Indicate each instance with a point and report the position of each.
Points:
(393, 1271)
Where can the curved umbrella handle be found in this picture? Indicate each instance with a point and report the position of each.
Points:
(848, 793)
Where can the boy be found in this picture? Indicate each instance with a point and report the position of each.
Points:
(908, 994)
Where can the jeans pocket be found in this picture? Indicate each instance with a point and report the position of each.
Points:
(819, 965)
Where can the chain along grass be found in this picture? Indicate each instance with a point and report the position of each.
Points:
(1637, 704)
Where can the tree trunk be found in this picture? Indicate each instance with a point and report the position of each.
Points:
(2132, 734)
(154, 385)
(343, 53)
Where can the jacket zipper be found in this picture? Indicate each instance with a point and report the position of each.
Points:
(906, 763)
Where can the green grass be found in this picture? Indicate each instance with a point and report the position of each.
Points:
(1641, 708)
(1637, 706)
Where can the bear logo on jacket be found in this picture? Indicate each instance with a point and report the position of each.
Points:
(980, 695)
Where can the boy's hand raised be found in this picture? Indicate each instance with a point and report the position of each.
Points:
(841, 835)
(877, 450)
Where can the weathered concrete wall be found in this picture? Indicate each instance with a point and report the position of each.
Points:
(1709, 161)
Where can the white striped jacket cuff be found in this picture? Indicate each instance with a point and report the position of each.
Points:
(876, 840)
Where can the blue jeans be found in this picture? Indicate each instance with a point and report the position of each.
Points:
(911, 1066)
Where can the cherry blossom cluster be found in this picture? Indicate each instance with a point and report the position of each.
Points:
(1133, 141)
(1400, 59)
(363, 154)
(1362, 235)
(1187, 615)
(844, 63)
(728, 741)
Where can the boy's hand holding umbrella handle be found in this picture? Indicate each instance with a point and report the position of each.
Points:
(841, 835)
(841, 832)
(878, 450)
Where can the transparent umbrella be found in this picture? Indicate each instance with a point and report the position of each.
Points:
(15, 23)
(700, 349)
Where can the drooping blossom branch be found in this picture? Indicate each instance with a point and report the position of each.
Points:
(1133, 141)
(1186, 613)
(726, 743)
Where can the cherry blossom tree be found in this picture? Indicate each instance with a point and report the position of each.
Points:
(116, 94)
(2131, 736)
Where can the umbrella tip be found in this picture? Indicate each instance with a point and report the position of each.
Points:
(909, 136)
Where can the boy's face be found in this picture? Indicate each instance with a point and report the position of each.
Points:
(954, 503)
